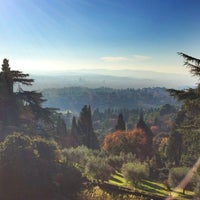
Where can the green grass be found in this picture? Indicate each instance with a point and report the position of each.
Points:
(118, 179)
(149, 187)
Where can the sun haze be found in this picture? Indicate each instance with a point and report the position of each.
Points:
(64, 35)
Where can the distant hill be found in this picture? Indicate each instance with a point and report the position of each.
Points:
(118, 79)
(73, 98)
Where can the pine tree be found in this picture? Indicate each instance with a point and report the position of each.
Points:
(183, 147)
(8, 101)
(192, 93)
(18, 105)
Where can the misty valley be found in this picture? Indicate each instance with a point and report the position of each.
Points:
(97, 143)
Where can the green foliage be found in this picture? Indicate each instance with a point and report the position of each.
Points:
(79, 155)
(23, 109)
(47, 149)
(177, 174)
(74, 98)
(174, 148)
(85, 129)
(183, 142)
(135, 172)
(89, 162)
(96, 193)
(190, 147)
(30, 168)
(98, 169)
(197, 190)
(120, 123)
(116, 161)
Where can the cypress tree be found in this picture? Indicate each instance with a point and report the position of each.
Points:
(120, 123)
(85, 127)
(149, 135)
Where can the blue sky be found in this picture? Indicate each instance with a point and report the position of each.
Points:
(48, 35)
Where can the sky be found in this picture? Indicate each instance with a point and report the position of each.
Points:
(59, 35)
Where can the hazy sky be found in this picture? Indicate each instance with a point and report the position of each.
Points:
(87, 34)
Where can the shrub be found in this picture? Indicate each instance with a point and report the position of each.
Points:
(115, 161)
(28, 172)
(177, 174)
(78, 155)
(47, 149)
(96, 193)
(135, 172)
(197, 190)
(98, 169)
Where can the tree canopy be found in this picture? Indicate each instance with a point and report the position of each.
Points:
(183, 148)
(23, 108)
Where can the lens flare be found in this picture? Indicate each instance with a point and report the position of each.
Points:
(185, 181)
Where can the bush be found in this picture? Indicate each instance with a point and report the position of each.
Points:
(98, 169)
(30, 168)
(68, 180)
(197, 190)
(79, 155)
(115, 161)
(96, 193)
(18, 168)
(47, 149)
(177, 174)
(135, 172)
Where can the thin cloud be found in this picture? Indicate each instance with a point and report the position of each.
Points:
(114, 58)
(141, 57)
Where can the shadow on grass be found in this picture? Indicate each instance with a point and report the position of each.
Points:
(156, 189)
(153, 188)
(181, 194)
(119, 174)
(116, 180)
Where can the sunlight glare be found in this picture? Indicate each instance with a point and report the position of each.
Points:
(185, 181)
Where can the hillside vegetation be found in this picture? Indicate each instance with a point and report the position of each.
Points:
(144, 152)
(73, 98)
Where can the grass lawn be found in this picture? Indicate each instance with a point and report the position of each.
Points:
(149, 187)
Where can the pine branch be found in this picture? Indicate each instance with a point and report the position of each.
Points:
(190, 94)
(32, 97)
(18, 76)
(24, 81)
(189, 58)
(194, 70)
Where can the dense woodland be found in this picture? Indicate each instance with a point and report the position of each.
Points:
(73, 98)
(139, 135)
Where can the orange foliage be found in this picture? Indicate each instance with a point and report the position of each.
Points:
(155, 129)
(133, 141)
(164, 141)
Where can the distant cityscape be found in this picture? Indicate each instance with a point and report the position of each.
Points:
(118, 79)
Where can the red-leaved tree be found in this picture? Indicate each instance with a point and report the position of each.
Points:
(134, 141)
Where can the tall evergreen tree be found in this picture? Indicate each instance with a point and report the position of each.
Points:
(85, 127)
(148, 133)
(183, 148)
(120, 123)
(192, 93)
(19, 107)
(8, 101)
(74, 134)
